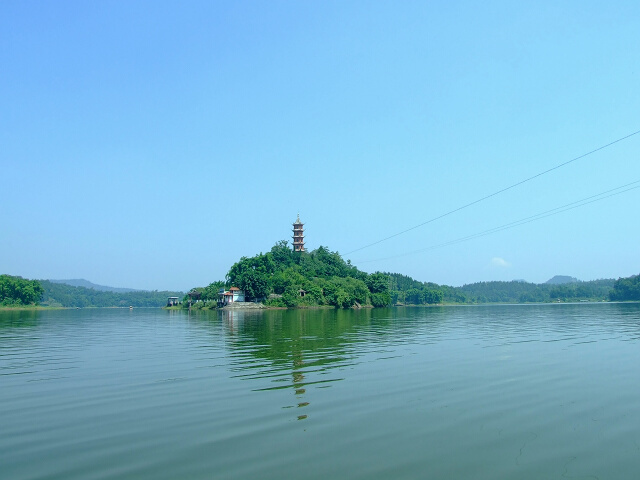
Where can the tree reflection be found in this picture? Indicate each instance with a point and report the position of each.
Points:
(308, 346)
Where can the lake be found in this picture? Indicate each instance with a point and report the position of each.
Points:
(477, 392)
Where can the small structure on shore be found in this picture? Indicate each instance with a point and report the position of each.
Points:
(194, 295)
(172, 301)
(233, 295)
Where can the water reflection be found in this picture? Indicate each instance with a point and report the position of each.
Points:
(18, 318)
(293, 350)
(300, 350)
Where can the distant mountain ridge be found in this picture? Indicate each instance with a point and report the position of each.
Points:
(60, 294)
(561, 280)
(81, 282)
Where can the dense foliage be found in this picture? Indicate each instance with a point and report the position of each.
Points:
(626, 289)
(284, 278)
(406, 290)
(62, 295)
(19, 291)
(524, 292)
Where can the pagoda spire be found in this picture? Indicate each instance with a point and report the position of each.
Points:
(298, 235)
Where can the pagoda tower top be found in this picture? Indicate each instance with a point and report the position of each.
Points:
(298, 235)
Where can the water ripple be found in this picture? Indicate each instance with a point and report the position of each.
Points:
(489, 392)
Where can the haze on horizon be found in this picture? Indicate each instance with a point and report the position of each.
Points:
(151, 145)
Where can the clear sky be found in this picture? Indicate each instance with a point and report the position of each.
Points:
(152, 144)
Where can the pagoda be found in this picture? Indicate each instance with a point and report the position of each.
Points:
(298, 235)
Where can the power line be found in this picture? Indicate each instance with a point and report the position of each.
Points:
(495, 193)
(554, 211)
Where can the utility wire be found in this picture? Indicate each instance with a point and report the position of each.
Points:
(523, 221)
(495, 193)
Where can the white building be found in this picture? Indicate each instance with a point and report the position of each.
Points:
(232, 295)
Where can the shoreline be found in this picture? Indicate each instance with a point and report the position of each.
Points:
(316, 307)
(31, 307)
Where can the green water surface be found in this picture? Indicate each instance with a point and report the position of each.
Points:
(486, 392)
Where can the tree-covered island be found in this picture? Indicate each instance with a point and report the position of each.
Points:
(283, 277)
(319, 278)
(286, 278)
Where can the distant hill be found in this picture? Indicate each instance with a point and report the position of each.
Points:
(561, 280)
(59, 294)
(81, 282)
(519, 292)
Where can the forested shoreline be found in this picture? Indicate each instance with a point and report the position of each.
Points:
(282, 278)
(20, 292)
(62, 295)
(413, 292)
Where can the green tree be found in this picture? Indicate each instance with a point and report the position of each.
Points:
(432, 296)
(211, 291)
(291, 296)
(252, 275)
(19, 291)
(379, 300)
(378, 282)
(626, 289)
(413, 296)
(282, 255)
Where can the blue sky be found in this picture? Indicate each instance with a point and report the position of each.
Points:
(152, 144)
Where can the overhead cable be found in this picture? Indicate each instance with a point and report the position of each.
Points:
(496, 193)
(523, 221)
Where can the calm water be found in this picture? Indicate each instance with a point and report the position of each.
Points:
(527, 392)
